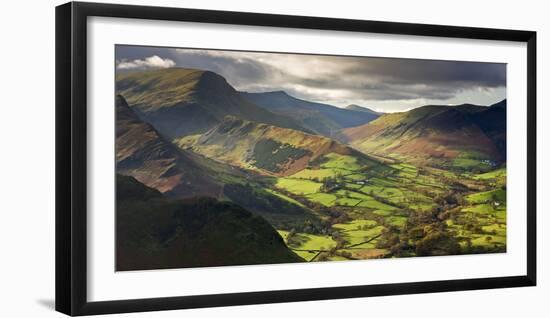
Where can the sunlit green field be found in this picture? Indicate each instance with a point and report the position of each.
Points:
(308, 246)
(298, 186)
(379, 200)
(362, 208)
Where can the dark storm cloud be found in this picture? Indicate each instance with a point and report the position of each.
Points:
(402, 71)
(335, 79)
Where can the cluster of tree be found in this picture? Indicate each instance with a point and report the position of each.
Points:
(331, 184)
(478, 249)
(449, 200)
(339, 239)
(292, 239)
(424, 234)
(426, 192)
(336, 215)
(326, 255)
(451, 181)
(437, 242)
(318, 228)
(366, 227)
(307, 226)
(470, 223)
(272, 155)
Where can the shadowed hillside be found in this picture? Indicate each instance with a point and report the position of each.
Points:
(143, 153)
(493, 122)
(155, 232)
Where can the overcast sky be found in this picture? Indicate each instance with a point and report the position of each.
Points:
(383, 84)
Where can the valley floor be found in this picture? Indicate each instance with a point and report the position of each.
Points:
(406, 211)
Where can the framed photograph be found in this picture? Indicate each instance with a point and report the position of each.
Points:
(209, 158)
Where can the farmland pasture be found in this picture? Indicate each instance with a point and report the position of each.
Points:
(360, 237)
(284, 197)
(364, 208)
(313, 242)
(318, 174)
(341, 162)
(323, 198)
(497, 196)
(307, 246)
(346, 201)
(378, 203)
(298, 186)
(498, 173)
(484, 208)
(355, 225)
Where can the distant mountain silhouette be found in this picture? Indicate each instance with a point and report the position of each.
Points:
(322, 119)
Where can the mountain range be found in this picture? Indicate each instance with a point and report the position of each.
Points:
(181, 101)
(435, 134)
(142, 152)
(268, 149)
(201, 110)
(322, 119)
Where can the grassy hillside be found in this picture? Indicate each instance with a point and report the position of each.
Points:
(178, 101)
(143, 153)
(365, 208)
(155, 232)
(322, 119)
(264, 148)
(448, 137)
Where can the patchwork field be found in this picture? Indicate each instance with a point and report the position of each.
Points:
(345, 207)
(376, 210)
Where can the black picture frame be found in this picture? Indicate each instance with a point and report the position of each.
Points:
(71, 157)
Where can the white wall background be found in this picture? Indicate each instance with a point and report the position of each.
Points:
(27, 158)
